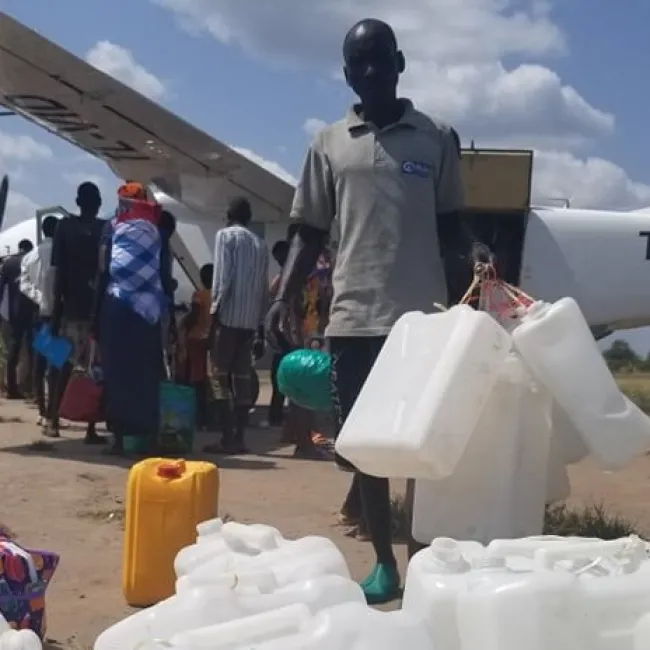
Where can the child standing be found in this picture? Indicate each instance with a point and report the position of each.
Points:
(197, 331)
(310, 320)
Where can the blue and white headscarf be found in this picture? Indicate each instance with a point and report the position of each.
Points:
(134, 267)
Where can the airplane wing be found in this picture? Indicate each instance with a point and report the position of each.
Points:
(137, 138)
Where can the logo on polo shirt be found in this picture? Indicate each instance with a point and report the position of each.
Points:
(416, 168)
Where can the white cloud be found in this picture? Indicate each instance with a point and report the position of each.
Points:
(19, 208)
(587, 183)
(483, 65)
(455, 53)
(76, 178)
(269, 165)
(22, 148)
(313, 125)
(118, 62)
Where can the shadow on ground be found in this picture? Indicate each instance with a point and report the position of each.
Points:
(71, 447)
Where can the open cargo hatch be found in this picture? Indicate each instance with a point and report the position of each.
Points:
(497, 179)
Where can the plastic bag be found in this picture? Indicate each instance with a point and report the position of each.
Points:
(83, 398)
(24, 577)
(503, 301)
(304, 377)
(177, 418)
(56, 349)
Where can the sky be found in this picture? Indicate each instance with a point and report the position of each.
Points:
(561, 77)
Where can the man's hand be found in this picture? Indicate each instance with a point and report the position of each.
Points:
(276, 326)
(258, 344)
(258, 348)
(481, 254)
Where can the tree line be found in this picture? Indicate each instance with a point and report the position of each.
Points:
(621, 357)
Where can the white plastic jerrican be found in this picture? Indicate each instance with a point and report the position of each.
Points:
(423, 398)
(435, 577)
(245, 632)
(20, 640)
(558, 347)
(350, 626)
(302, 559)
(215, 537)
(498, 488)
(208, 527)
(231, 600)
(558, 486)
(523, 554)
(501, 609)
(438, 575)
(570, 442)
(613, 602)
(538, 592)
(357, 627)
(530, 485)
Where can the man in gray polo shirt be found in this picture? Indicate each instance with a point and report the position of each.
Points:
(389, 177)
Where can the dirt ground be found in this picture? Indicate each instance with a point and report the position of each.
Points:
(69, 499)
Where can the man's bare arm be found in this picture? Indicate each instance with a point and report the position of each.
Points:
(306, 246)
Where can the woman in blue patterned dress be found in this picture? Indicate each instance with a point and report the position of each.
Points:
(133, 289)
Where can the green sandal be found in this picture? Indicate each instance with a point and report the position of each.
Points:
(382, 585)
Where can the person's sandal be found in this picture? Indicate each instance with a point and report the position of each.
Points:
(382, 585)
(311, 453)
(50, 431)
(320, 440)
(345, 520)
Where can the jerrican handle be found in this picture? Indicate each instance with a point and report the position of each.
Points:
(628, 548)
(209, 527)
(265, 626)
(260, 537)
(500, 549)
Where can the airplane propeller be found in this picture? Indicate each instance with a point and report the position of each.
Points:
(4, 193)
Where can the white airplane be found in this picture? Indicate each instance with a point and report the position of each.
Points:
(600, 258)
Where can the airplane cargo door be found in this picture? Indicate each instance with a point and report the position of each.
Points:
(497, 179)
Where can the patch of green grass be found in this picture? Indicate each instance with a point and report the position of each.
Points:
(590, 521)
(636, 385)
(560, 519)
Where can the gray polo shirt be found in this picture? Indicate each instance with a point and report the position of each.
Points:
(382, 189)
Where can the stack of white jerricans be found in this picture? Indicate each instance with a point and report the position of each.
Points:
(532, 594)
(245, 586)
(486, 419)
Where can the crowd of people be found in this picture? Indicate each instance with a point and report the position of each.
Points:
(107, 287)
